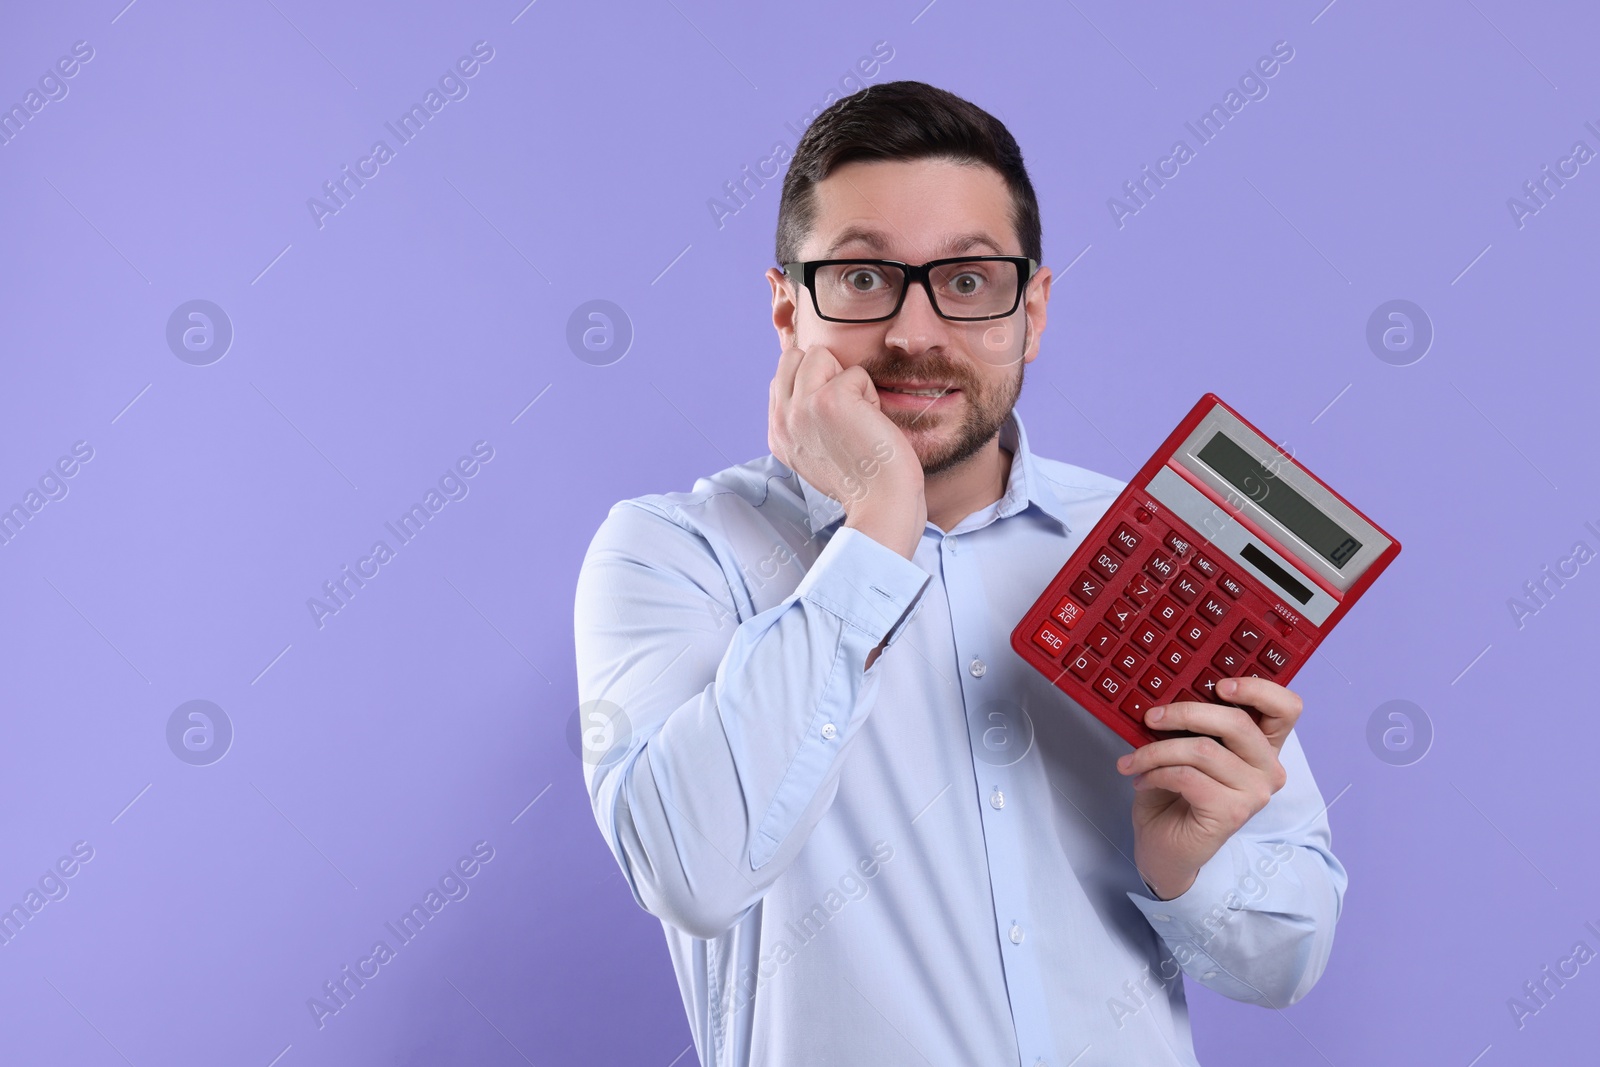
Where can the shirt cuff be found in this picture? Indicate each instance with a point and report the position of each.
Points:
(1196, 913)
(866, 584)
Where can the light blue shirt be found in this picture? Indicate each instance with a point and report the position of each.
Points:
(925, 862)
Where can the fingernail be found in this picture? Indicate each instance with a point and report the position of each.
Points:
(1157, 714)
(1122, 764)
(1227, 686)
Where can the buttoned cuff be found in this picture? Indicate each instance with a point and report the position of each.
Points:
(1191, 923)
(866, 584)
(1185, 915)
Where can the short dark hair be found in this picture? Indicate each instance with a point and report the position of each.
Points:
(902, 120)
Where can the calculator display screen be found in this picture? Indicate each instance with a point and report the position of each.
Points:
(1302, 518)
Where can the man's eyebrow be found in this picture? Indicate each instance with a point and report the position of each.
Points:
(876, 242)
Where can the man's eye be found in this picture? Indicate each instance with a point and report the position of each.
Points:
(862, 280)
(966, 284)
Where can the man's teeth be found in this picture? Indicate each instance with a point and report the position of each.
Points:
(916, 392)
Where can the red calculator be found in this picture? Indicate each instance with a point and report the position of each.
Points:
(1222, 558)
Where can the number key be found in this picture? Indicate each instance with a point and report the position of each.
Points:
(1140, 590)
(1194, 633)
(1127, 660)
(1109, 685)
(1155, 681)
(1166, 612)
(1081, 665)
(1174, 656)
(1146, 636)
(1100, 639)
(1120, 615)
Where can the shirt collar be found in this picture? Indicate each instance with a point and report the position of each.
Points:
(1024, 486)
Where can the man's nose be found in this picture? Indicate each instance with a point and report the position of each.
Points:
(918, 326)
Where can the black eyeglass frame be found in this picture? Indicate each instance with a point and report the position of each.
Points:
(807, 271)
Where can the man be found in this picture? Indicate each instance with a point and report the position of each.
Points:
(872, 833)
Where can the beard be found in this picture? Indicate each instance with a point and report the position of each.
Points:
(943, 441)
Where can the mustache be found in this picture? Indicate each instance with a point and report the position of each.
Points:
(923, 368)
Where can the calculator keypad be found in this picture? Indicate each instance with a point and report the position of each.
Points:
(1161, 621)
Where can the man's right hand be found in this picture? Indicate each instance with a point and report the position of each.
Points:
(825, 423)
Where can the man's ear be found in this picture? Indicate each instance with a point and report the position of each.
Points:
(1035, 305)
(783, 307)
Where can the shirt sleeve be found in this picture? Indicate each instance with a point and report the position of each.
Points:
(1257, 924)
(727, 735)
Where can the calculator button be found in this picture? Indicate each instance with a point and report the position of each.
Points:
(1213, 609)
(1109, 685)
(1159, 567)
(1167, 612)
(1087, 587)
(1228, 660)
(1187, 695)
(1120, 615)
(1230, 585)
(1127, 660)
(1247, 635)
(1140, 590)
(1273, 658)
(1100, 639)
(1107, 564)
(1136, 705)
(1067, 613)
(1206, 685)
(1179, 544)
(1194, 633)
(1174, 656)
(1146, 636)
(1155, 681)
(1049, 638)
(1205, 566)
(1185, 588)
(1125, 540)
(1081, 664)
(1142, 516)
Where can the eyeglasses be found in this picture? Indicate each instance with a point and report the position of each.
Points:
(968, 289)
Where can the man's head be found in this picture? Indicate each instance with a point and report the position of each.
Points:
(905, 171)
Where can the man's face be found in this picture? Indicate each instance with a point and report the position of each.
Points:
(914, 211)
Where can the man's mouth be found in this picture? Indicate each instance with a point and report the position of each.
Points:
(914, 389)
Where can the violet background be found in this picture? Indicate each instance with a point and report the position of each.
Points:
(432, 310)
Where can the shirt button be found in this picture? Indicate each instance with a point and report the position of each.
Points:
(997, 799)
(829, 731)
(1163, 918)
(978, 668)
(950, 542)
(1209, 974)
(1016, 934)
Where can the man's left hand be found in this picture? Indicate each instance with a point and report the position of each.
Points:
(1193, 793)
